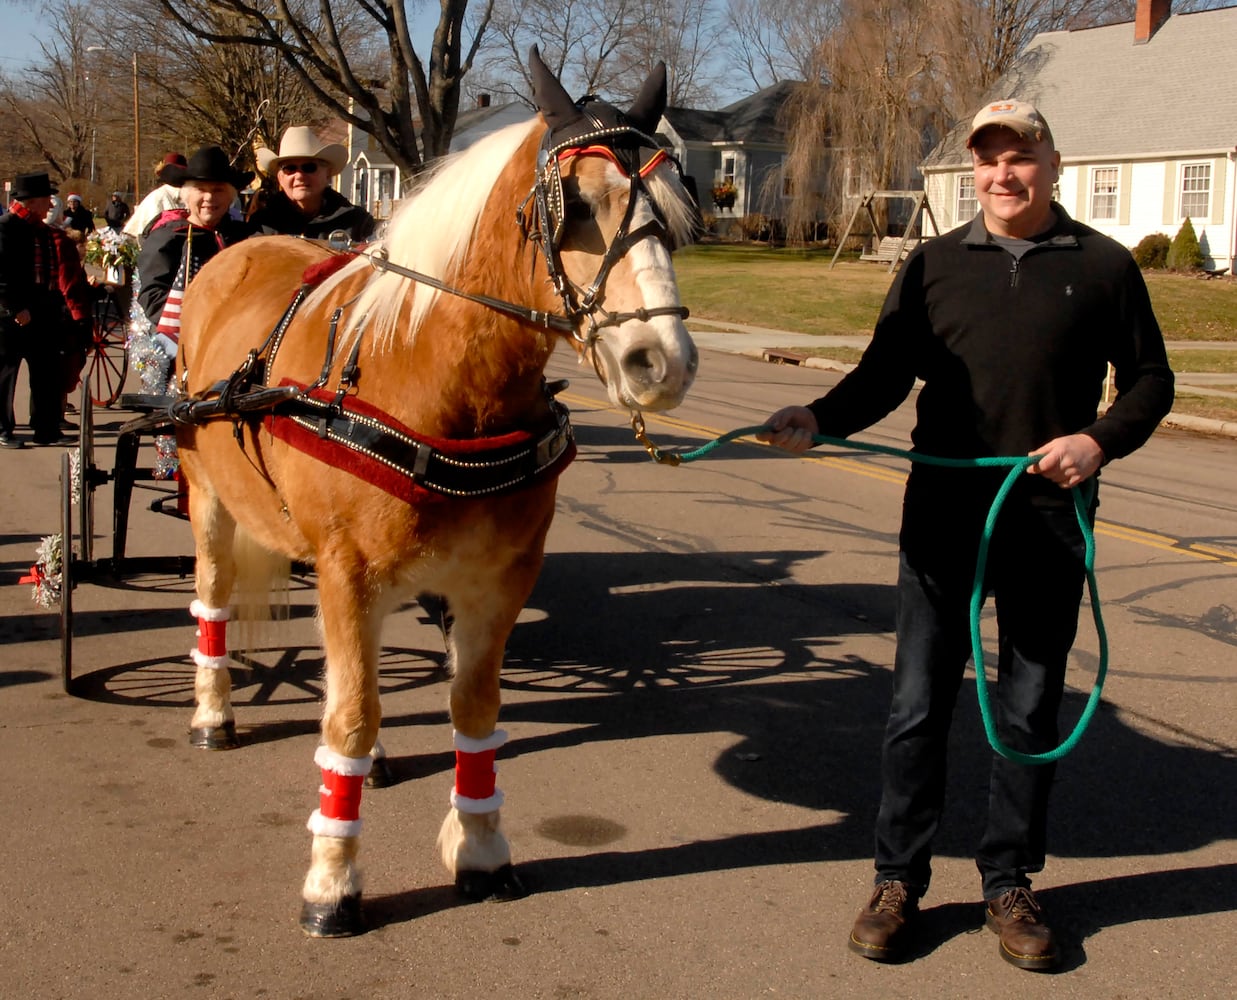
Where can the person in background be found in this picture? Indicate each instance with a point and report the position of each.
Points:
(117, 212)
(77, 216)
(164, 197)
(304, 203)
(38, 264)
(182, 240)
(1011, 321)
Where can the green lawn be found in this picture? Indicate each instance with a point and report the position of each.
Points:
(797, 290)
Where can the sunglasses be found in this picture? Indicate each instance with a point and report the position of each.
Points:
(308, 167)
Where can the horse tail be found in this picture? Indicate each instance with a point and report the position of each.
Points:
(260, 594)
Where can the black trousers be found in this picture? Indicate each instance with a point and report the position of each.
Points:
(1036, 574)
(10, 365)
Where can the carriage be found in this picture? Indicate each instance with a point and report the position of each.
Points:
(383, 416)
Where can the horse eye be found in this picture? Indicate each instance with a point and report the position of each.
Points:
(578, 210)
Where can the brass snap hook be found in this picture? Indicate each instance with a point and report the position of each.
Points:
(655, 453)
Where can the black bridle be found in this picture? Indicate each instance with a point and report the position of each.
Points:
(622, 144)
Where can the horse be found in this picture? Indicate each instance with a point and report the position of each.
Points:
(396, 432)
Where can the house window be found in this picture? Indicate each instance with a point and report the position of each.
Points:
(850, 183)
(1104, 194)
(728, 169)
(1195, 190)
(967, 206)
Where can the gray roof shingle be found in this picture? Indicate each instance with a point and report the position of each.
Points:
(1106, 97)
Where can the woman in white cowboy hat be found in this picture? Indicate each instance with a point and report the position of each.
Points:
(304, 203)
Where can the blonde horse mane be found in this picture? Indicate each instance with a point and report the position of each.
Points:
(429, 233)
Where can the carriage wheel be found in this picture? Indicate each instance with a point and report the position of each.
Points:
(86, 473)
(108, 359)
(66, 572)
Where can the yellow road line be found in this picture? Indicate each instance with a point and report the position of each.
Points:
(1151, 539)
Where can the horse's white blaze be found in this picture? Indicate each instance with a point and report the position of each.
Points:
(649, 365)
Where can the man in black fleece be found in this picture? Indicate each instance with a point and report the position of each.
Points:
(1010, 321)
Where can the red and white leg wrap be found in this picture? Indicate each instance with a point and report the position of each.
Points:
(474, 790)
(339, 803)
(212, 648)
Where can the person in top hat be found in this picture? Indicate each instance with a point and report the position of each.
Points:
(1011, 321)
(76, 215)
(40, 281)
(164, 197)
(303, 202)
(117, 212)
(182, 240)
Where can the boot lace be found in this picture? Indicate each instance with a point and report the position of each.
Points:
(890, 897)
(1022, 905)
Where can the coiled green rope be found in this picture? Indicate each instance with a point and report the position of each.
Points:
(1016, 467)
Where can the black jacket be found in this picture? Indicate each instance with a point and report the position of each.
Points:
(1012, 353)
(164, 249)
(279, 215)
(116, 214)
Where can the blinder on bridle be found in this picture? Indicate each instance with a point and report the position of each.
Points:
(601, 130)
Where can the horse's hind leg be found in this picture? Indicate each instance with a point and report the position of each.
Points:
(351, 625)
(213, 726)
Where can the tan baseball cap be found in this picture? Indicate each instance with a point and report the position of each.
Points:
(1019, 116)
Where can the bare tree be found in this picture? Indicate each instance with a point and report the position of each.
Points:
(607, 46)
(774, 40)
(577, 39)
(407, 105)
(53, 100)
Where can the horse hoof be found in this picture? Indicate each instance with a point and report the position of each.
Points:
(327, 920)
(380, 774)
(214, 737)
(498, 886)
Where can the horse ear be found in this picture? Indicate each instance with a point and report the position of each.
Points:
(645, 111)
(554, 103)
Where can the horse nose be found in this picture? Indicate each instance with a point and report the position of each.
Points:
(651, 373)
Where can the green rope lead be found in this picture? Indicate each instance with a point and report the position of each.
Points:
(1016, 467)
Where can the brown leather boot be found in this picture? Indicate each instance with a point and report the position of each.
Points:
(1026, 940)
(880, 930)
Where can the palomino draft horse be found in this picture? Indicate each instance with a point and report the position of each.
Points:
(395, 430)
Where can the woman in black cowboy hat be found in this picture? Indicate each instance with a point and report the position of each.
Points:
(182, 240)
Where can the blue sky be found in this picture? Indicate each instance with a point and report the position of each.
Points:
(21, 27)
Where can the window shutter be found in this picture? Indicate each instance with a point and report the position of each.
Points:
(1123, 196)
(1218, 176)
(1170, 193)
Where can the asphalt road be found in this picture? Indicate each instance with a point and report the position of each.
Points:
(695, 697)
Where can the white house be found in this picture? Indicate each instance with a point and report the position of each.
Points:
(1145, 118)
(372, 180)
(743, 143)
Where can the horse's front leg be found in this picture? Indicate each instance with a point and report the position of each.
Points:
(471, 840)
(351, 626)
(213, 726)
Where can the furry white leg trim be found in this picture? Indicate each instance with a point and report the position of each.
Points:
(329, 760)
(200, 610)
(476, 807)
(324, 826)
(210, 662)
(469, 745)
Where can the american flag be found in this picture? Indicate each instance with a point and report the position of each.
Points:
(170, 319)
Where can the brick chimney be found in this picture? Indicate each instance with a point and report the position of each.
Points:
(1148, 18)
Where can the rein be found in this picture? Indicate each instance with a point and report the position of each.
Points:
(1017, 465)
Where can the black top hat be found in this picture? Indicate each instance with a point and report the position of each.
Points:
(210, 163)
(33, 186)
